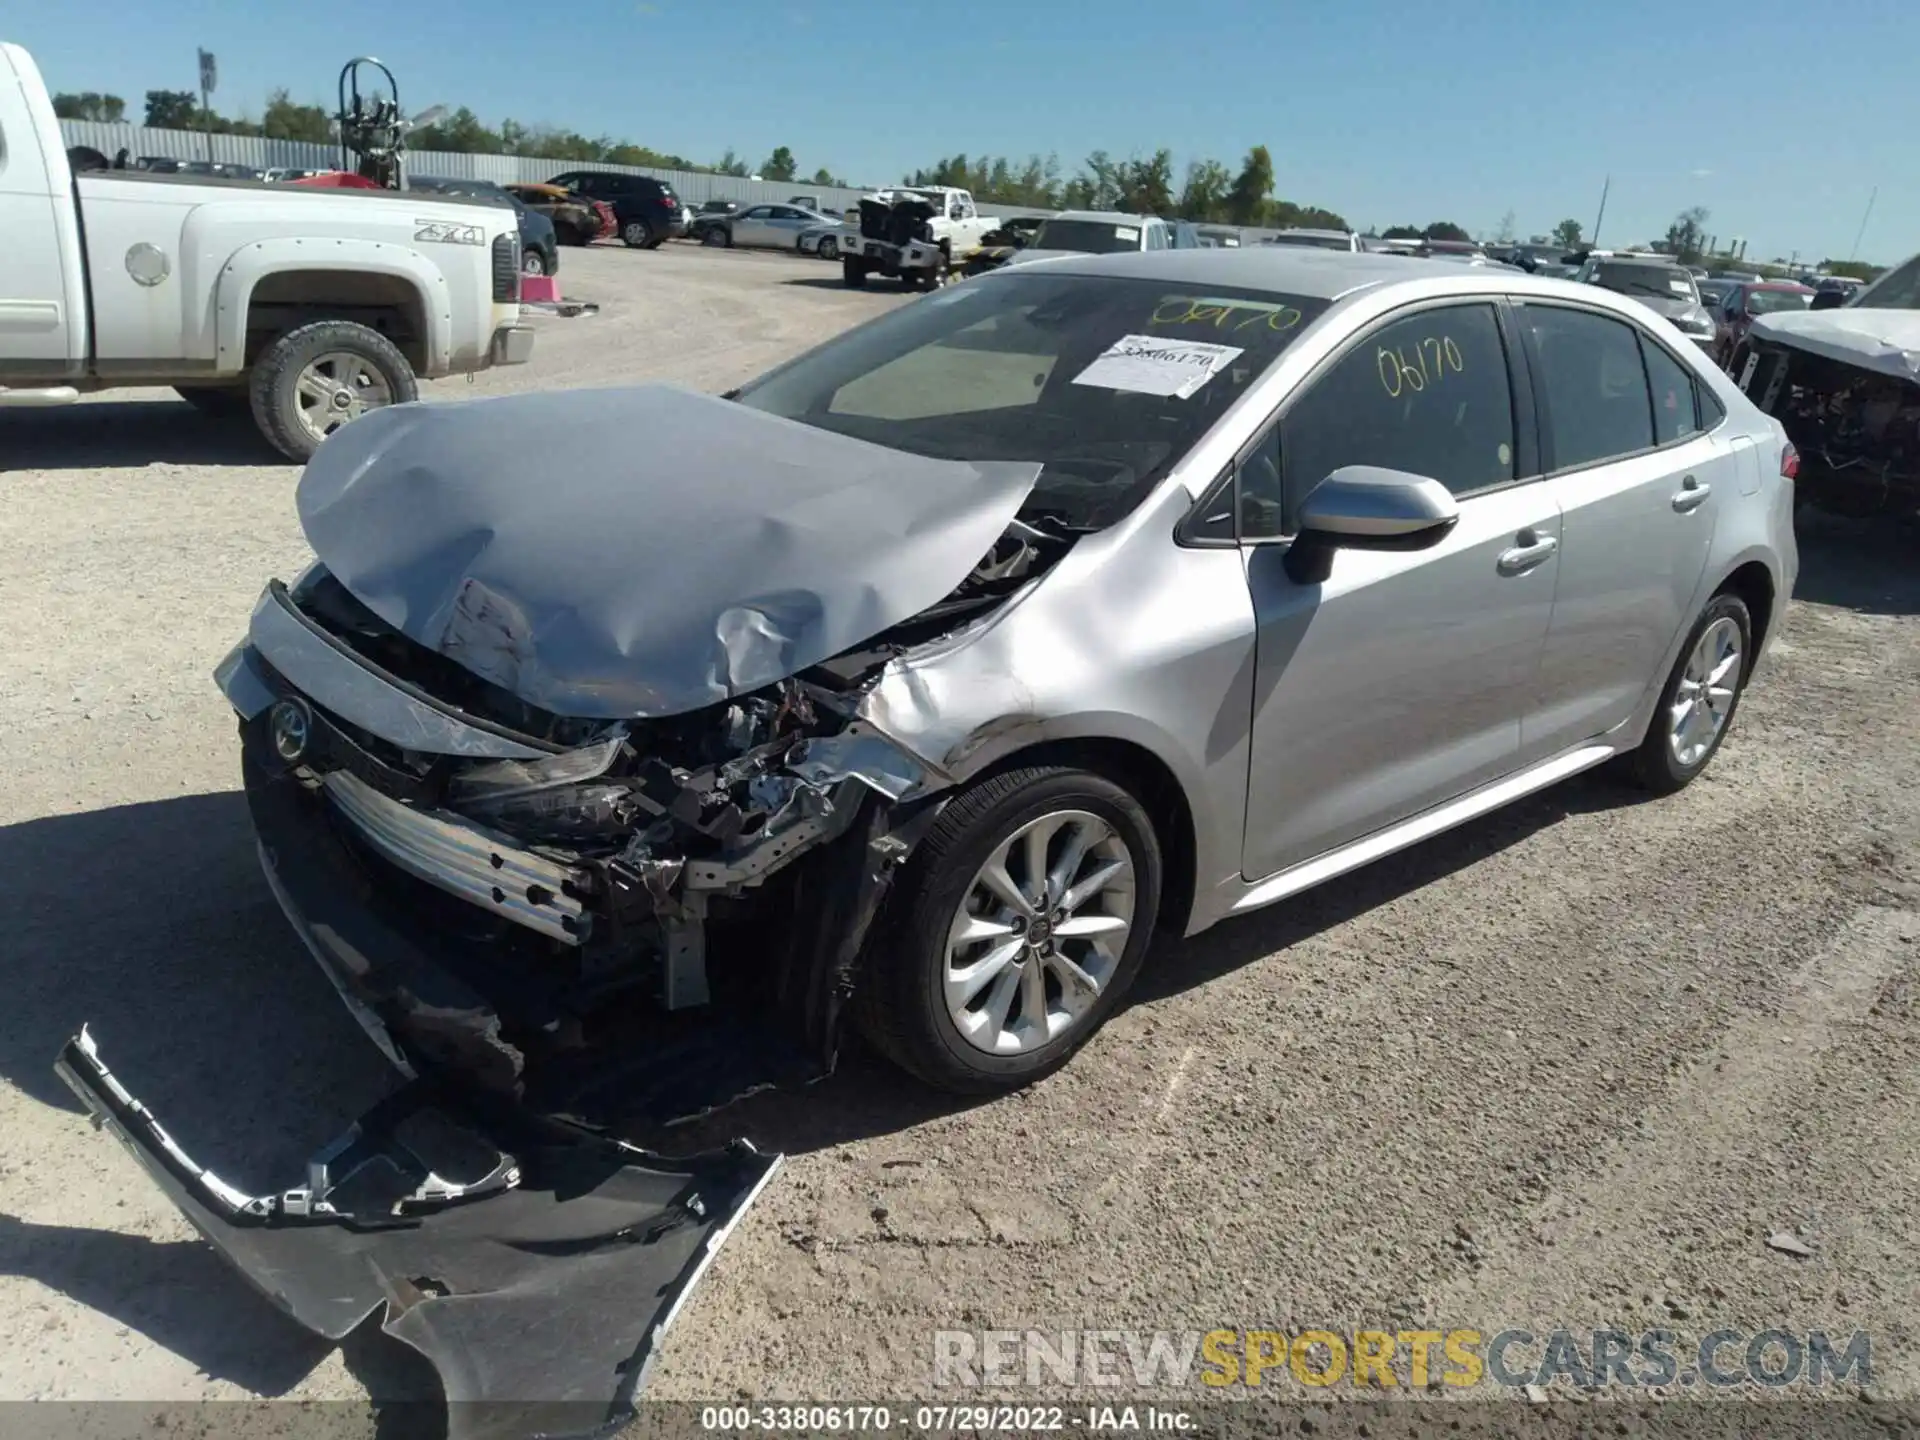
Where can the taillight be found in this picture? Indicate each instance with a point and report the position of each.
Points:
(1789, 462)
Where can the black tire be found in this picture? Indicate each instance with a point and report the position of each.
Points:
(1654, 767)
(935, 275)
(275, 400)
(573, 235)
(899, 1005)
(217, 402)
(637, 235)
(532, 262)
(828, 248)
(717, 235)
(853, 273)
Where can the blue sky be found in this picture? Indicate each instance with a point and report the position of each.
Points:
(1777, 116)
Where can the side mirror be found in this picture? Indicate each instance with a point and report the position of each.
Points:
(1368, 507)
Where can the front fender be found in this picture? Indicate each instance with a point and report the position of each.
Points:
(250, 264)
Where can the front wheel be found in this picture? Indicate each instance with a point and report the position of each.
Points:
(1014, 931)
(829, 248)
(637, 235)
(715, 235)
(316, 378)
(1697, 704)
(532, 262)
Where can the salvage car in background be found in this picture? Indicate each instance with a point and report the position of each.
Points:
(1845, 381)
(1662, 286)
(1097, 232)
(1744, 302)
(648, 212)
(576, 219)
(762, 227)
(539, 246)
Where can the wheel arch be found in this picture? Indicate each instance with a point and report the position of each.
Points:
(1150, 780)
(1753, 582)
(295, 281)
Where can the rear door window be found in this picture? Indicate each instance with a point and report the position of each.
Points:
(1591, 385)
(1675, 410)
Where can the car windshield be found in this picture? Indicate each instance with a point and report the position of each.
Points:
(1898, 289)
(1317, 242)
(1766, 302)
(1628, 277)
(1106, 382)
(1090, 237)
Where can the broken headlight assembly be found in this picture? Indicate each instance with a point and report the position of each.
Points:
(560, 796)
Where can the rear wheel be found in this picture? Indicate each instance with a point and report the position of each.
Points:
(313, 380)
(1696, 706)
(637, 234)
(1015, 930)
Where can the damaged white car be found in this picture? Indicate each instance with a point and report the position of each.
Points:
(921, 680)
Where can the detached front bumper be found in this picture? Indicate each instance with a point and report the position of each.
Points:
(536, 1267)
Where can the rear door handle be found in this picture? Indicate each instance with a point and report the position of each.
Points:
(1531, 551)
(1691, 495)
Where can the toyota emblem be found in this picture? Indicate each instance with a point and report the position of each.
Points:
(291, 726)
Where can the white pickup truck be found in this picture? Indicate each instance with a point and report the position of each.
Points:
(919, 235)
(305, 307)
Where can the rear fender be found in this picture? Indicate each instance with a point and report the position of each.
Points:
(251, 264)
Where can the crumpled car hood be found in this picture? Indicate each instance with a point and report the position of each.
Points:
(1886, 341)
(688, 550)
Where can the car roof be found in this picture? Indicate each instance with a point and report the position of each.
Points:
(1103, 217)
(1306, 230)
(1321, 274)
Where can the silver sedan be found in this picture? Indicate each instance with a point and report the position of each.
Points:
(1103, 597)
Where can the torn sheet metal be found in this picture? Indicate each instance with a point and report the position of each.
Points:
(693, 551)
(1884, 341)
(536, 1267)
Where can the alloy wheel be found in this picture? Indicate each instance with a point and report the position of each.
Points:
(1704, 697)
(335, 388)
(1039, 932)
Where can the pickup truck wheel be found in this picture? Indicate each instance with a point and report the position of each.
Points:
(637, 234)
(216, 402)
(314, 379)
(853, 273)
(1014, 930)
(935, 275)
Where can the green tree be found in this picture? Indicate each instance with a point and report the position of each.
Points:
(1145, 187)
(1402, 232)
(1285, 215)
(1504, 235)
(172, 109)
(1204, 195)
(1855, 269)
(780, 165)
(459, 133)
(285, 120)
(730, 164)
(1248, 195)
(90, 105)
(1444, 230)
(1567, 235)
(1687, 236)
(824, 176)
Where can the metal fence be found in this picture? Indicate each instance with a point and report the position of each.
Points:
(692, 186)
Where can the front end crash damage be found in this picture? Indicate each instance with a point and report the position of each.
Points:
(607, 846)
(1845, 384)
(535, 1267)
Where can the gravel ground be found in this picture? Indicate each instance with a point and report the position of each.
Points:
(1570, 1065)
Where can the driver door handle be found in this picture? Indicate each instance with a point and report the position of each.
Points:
(1691, 495)
(1531, 551)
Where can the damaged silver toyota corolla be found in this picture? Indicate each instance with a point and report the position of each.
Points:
(924, 677)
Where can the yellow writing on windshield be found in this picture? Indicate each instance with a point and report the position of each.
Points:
(1433, 358)
(1233, 315)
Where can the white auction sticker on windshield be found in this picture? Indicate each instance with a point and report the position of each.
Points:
(1150, 365)
(1125, 232)
(1679, 287)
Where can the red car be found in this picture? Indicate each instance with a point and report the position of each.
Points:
(1735, 313)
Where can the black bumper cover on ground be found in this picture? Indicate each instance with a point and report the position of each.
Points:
(535, 1267)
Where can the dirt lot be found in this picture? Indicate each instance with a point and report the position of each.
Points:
(1569, 1066)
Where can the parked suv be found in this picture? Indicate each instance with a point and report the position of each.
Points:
(647, 209)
